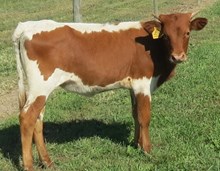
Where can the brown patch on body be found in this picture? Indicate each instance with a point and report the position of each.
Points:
(98, 58)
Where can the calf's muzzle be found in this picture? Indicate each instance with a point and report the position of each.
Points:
(178, 57)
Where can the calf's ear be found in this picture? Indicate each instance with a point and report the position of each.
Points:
(198, 23)
(150, 25)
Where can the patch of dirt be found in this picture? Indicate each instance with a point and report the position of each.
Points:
(8, 104)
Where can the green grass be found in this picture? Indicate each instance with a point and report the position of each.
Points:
(96, 133)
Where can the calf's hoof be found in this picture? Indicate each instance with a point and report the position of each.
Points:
(145, 148)
(45, 164)
(28, 169)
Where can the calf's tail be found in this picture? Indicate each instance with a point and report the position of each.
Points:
(20, 70)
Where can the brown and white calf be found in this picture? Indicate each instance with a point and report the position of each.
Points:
(92, 58)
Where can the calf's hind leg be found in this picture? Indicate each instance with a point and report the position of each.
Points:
(28, 118)
(39, 141)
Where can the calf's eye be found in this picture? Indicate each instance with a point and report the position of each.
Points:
(187, 33)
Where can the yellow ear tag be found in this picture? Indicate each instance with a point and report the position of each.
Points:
(155, 33)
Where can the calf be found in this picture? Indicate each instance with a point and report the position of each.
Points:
(92, 58)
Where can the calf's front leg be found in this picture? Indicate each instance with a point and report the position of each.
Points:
(141, 115)
(135, 117)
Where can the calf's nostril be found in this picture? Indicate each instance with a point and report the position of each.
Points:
(173, 58)
(183, 55)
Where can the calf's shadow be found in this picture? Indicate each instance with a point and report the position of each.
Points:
(10, 145)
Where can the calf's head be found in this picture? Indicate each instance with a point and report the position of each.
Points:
(176, 28)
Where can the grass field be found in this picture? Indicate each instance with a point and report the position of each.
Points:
(96, 133)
